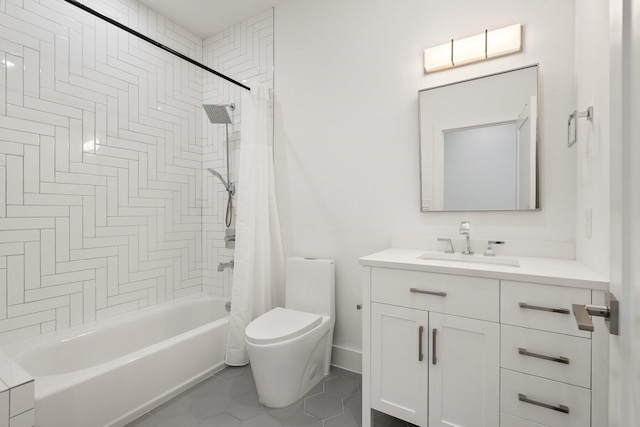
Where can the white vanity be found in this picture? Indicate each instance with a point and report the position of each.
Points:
(454, 341)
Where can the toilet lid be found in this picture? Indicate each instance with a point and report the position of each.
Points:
(280, 324)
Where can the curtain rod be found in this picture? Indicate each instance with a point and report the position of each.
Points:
(153, 42)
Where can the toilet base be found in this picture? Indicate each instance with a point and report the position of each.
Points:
(285, 372)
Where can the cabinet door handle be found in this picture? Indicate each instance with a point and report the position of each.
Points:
(549, 309)
(559, 408)
(561, 359)
(434, 334)
(420, 355)
(422, 291)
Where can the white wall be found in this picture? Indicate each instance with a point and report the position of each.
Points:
(99, 155)
(593, 147)
(346, 127)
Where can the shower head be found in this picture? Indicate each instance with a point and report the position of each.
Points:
(218, 113)
(228, 186)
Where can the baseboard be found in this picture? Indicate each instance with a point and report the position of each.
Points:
(346, 358)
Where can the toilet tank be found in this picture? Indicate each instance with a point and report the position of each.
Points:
(310, 285)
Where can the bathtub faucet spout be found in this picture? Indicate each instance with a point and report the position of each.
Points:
(224, 265)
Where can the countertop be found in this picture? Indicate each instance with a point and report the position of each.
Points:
(538, 270)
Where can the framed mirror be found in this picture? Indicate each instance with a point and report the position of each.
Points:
(478, 143)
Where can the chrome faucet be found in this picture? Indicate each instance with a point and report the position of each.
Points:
(465, 230)
(224, 265)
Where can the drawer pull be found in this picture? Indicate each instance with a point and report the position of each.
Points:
(421, 291)
(420, 355)
(559, 408)
(549, 309)
(434, 334)
(561, 359)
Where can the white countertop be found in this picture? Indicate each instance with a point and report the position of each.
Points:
(538, 270)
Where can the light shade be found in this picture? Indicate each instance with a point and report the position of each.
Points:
(438, 57)
(489, 44)
(504, 41)
(470, 49)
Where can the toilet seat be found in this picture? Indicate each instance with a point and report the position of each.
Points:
(280, 324)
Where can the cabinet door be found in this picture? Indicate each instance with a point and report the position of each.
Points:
(398, 376)
(464, 372)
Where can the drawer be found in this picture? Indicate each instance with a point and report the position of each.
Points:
(507, 420)
(538, 347)
(473, 297)
(540, 391)
(538, 300)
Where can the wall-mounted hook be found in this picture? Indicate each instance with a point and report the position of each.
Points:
(572, 125)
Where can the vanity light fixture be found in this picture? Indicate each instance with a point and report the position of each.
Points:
(489, 44)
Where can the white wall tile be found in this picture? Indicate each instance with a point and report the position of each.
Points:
(15, 279)
(31, 169)
(15, 187)
(62, 318)
(62, 149)
(47, 251)
(15, 79)
(62, 240)
(32, 263)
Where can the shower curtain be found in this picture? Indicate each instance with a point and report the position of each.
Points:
(258, 278)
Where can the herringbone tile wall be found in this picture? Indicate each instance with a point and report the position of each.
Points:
(245, 53)
(102, 147)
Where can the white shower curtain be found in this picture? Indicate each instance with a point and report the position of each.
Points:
(258, 277)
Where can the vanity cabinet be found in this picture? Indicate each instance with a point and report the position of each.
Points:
(446, 347)
(399, 380)
(464, 361)
(546, 359)
(427, 360)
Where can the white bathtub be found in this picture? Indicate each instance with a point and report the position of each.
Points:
(109, 372)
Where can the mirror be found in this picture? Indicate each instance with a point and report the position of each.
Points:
(478, 143)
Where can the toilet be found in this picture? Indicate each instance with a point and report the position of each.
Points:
(290, 348)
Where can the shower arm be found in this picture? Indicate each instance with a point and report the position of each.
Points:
(230, 187)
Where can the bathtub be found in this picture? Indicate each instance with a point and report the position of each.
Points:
(111, 371)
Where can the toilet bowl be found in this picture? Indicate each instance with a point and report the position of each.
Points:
(290, 348)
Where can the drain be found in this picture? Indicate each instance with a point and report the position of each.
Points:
(227, 306)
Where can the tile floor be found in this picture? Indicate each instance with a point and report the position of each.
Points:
(229, 399)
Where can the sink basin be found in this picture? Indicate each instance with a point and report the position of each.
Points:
(476, 259)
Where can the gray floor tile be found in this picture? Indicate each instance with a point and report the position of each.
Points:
(210, 386)
(263, 420)
(322, 406)
(208, 406)
(246, 406)
(229, 399)
(340, 386)
(182, 420)
(242, 384)
(221, 420)
(316, 389)
(343, 420)
(302, 420)
(353, 407)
